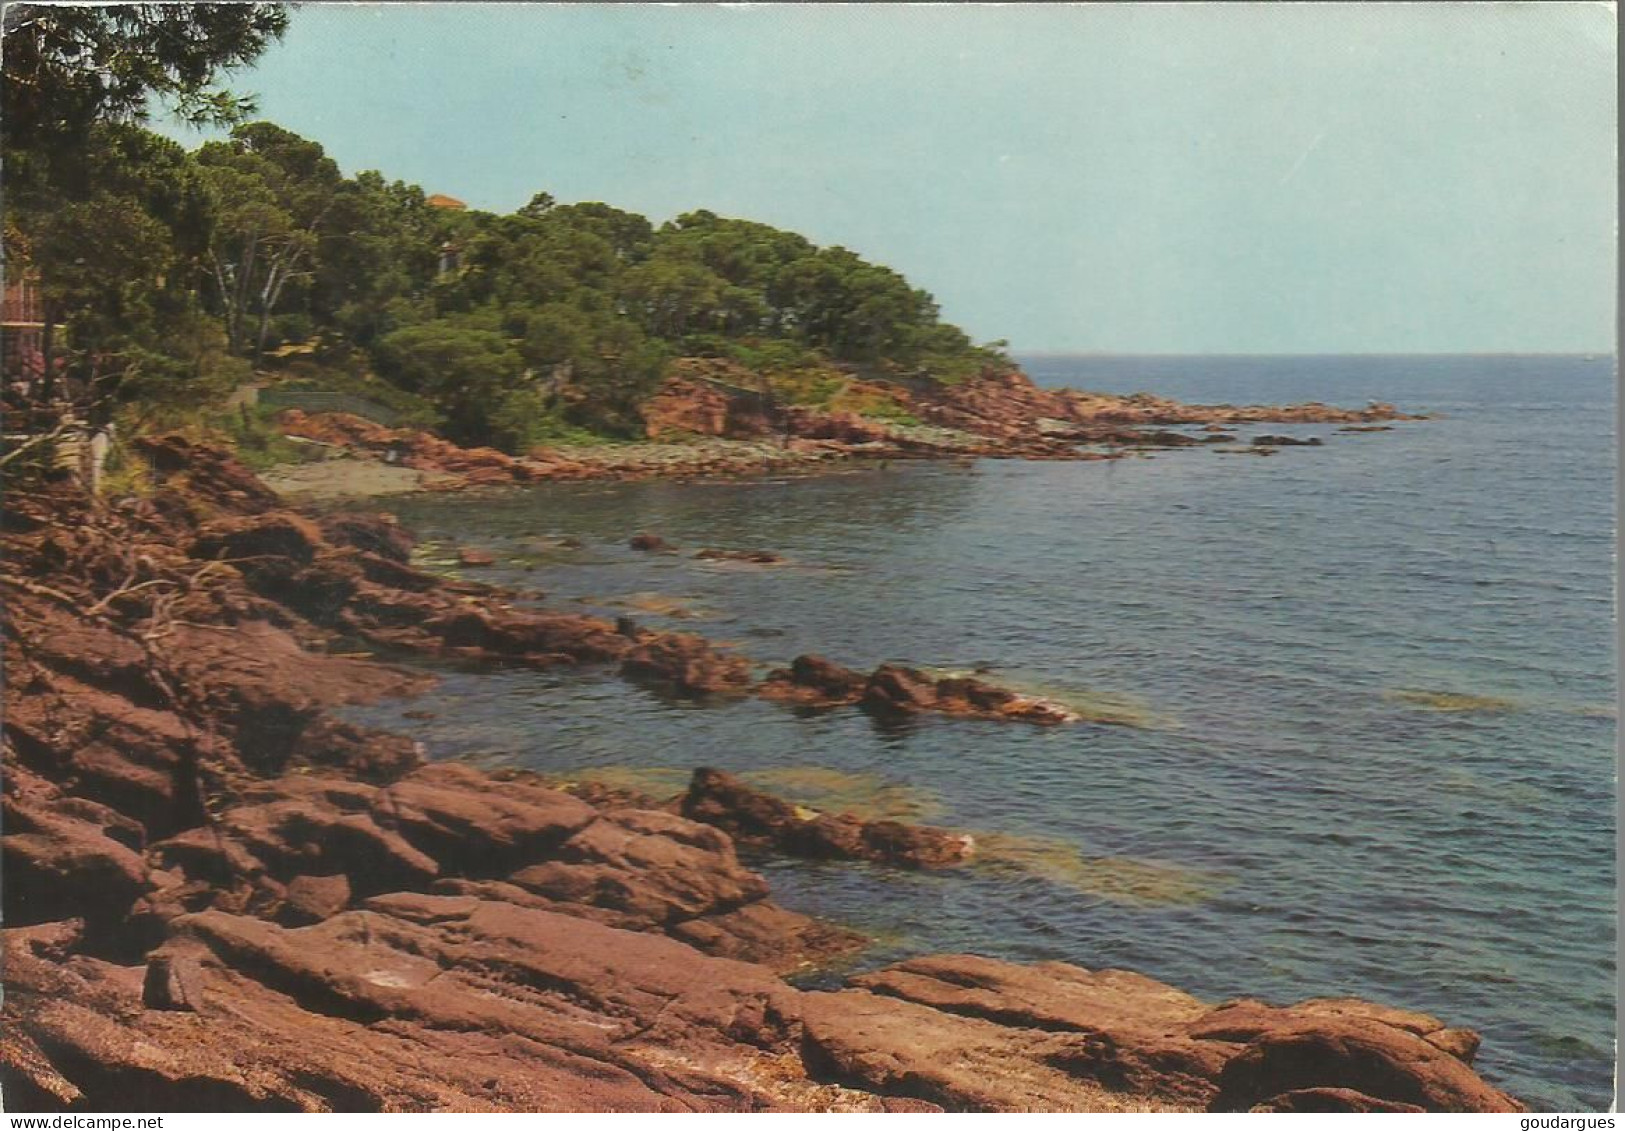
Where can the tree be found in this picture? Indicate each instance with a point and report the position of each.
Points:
(274, 191)
(378, 252)
(89, 197)
(113, 255)
(601, 365)
(70, 67)
(466, 373)
(674, 295)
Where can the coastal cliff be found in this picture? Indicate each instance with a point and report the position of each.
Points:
(220, 896)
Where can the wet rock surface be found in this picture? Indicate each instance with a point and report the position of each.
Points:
(894, 689)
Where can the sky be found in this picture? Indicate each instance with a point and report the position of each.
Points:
(1123, 178)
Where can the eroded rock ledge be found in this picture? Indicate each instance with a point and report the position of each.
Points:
(220, 898)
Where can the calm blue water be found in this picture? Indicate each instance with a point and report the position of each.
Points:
(1285, 823)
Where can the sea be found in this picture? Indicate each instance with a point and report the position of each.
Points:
(1350, 709)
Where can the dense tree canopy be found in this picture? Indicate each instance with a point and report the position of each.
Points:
(107, 218)
(510, 328)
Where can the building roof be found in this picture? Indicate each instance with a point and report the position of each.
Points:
(440, 200)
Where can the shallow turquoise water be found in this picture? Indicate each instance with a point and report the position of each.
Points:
(1286, 824)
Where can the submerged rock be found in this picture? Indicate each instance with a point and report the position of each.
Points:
(1453, 701)
(757, 557)
(1269, 441)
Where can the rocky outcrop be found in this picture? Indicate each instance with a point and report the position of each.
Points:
(410, 1003)
(895, 689)
(379, 534)
(760, 820)
(710, 397)
(206, 475)
(686, 664)
(712, 417)
(815, 681)
(956, 1029)
(221, 898)
(1006, 405)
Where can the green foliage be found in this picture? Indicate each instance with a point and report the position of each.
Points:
(106, 217)
(466, 373)
(176, 273)
(70, 67)
(258, 442)
(273, 194)
(527, 419)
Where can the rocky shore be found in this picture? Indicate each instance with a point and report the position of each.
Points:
(219, 896)
(707, 420)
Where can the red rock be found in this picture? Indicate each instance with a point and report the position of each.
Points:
(1317, 1100)
(312, 899)
(961, 1063)
(68, 868)
(843, 427)
(469, 556)
(1365, 1056)
(173, 981)
(722, 800)
(515, 948)
(813, 679)
(1459, 1043)
(380, 534)
(425, 1004)
(653, 543)
(977, 695)
(914, 846)
(704, 397)
(755, 817)
(306, 830)
(474, 826)
(279, 536)
(658, 868)
(1245, 1019)
(892, 687)
(687, 665)
(1128, 1030)
(765, 933)
(206, 473)
(419, 450)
